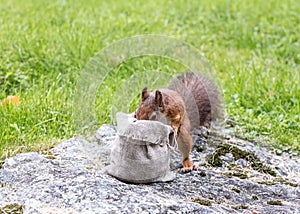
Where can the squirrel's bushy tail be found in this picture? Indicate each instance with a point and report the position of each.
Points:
(201, 96)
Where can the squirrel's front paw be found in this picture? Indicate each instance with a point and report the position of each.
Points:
(188, 166)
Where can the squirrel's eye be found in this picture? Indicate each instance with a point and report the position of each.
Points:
(153, 116)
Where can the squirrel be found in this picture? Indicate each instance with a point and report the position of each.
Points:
(190, 97)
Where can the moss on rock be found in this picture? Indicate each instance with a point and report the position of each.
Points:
(286, 182)
(202, 173)
(201, 201)
(238, 207)
(222, 149)
(275, 202)
(12, 208)
(236, 190)
(238, 174)
(278, 180)
(1, 163)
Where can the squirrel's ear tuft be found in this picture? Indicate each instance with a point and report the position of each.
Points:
(145, 94)
(159, 98)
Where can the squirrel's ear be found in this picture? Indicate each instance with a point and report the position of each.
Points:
(145, 94)
(159, 98)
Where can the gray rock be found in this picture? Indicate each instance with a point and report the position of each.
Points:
(241, 162)
(71, 181)
(228, 157)
(106, 133)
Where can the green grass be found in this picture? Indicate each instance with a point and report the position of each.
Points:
(254, 47)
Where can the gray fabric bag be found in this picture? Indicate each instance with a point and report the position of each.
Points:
(141, 151)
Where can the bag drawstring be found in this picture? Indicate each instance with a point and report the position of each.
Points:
(173, 147)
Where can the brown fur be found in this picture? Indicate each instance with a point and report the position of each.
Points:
(201, 91)
(189, 89)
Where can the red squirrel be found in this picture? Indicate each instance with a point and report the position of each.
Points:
(188, 97)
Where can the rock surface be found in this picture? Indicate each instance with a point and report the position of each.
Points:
(234, 176)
